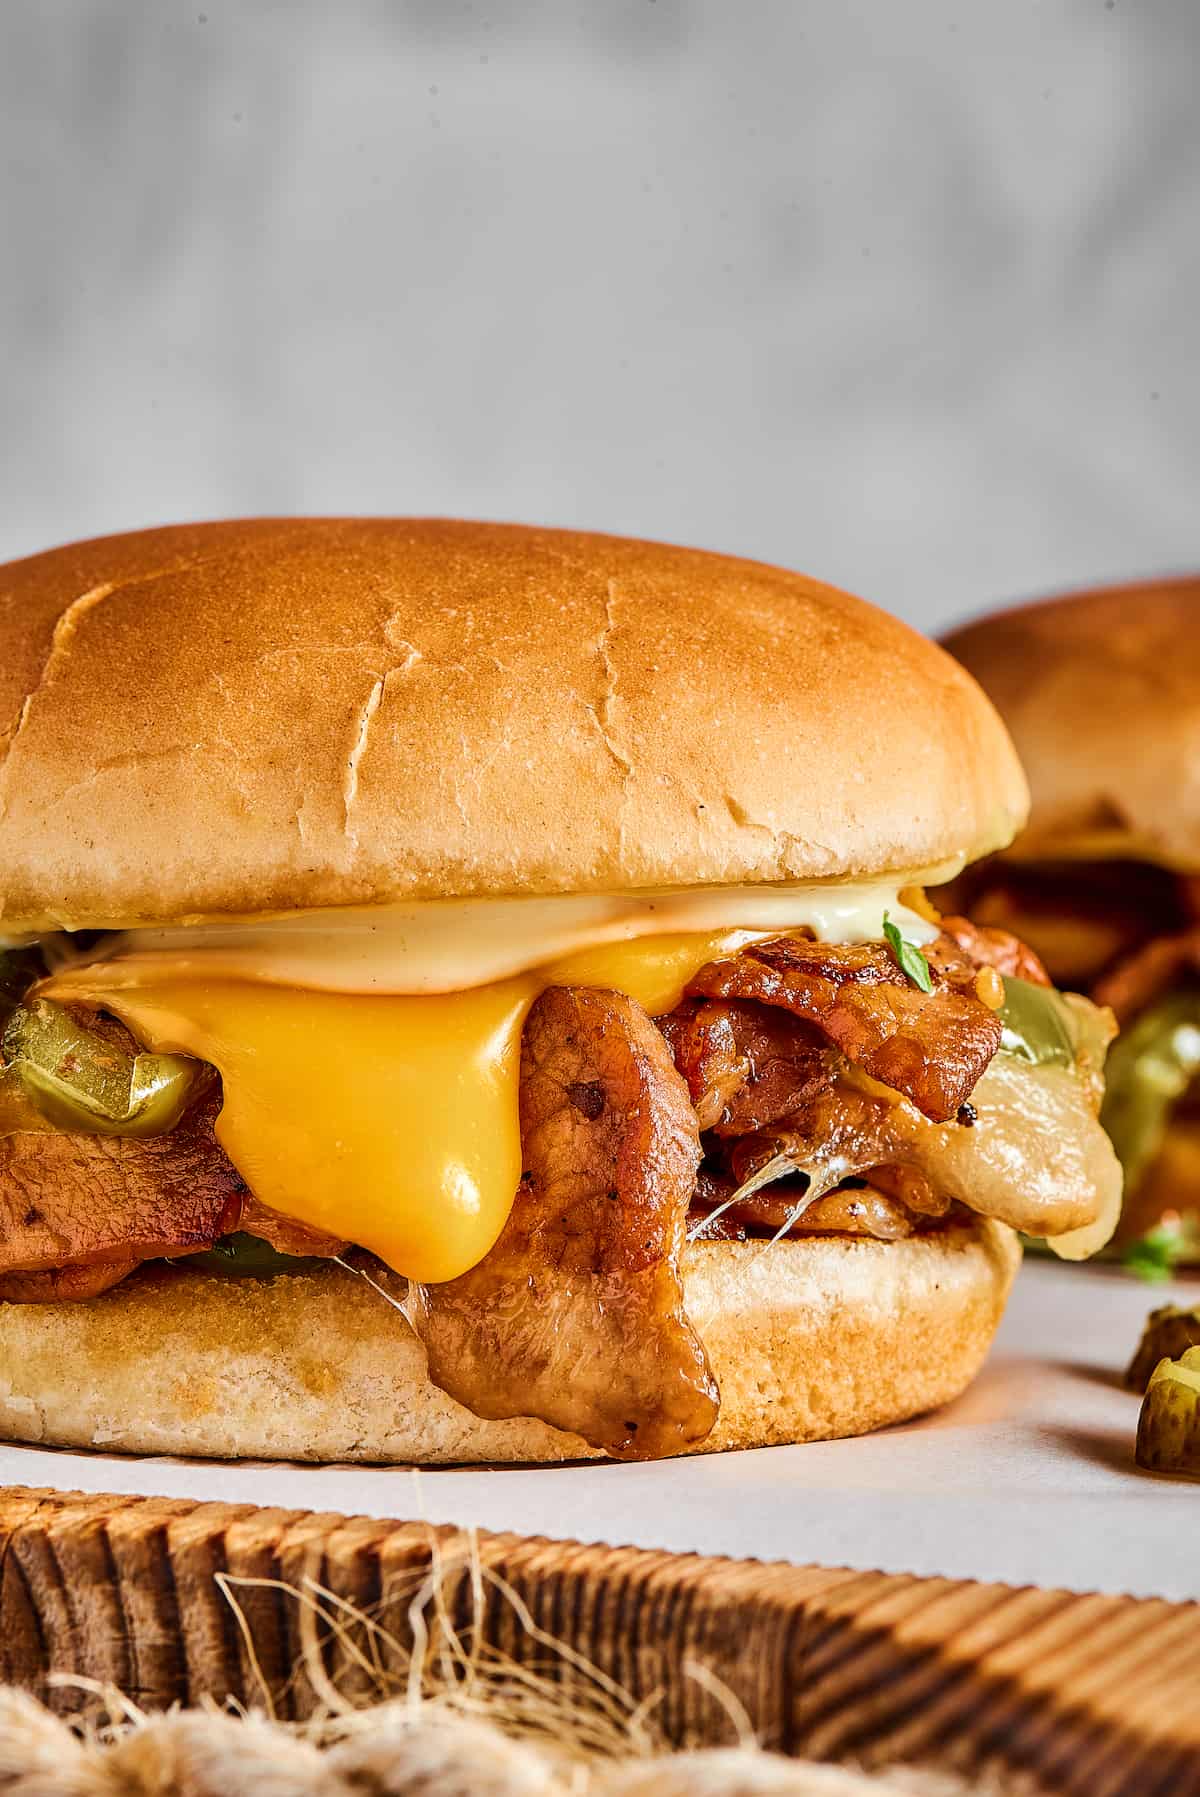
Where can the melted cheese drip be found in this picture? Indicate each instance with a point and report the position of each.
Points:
(370, 1059)
(389, 1120)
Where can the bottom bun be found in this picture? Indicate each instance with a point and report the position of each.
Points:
(809, 1339)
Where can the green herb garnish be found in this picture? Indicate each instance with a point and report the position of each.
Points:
(1153, 1256)
(909, 958)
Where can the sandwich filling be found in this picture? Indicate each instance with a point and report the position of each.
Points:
(517, 1141)
(1128, 934)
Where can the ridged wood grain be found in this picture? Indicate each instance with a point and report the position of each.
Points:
(1095, 1696)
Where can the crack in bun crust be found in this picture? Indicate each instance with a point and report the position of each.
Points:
(273, 714)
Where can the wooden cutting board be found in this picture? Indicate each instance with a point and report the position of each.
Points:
(1098, 1696)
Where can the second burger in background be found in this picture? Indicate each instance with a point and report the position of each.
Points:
(1101, 691)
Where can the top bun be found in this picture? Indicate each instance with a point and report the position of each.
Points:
(1101, 691)
(219, 720)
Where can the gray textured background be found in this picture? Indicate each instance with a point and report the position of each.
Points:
(904, 292)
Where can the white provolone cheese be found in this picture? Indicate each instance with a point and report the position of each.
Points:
(450, 945)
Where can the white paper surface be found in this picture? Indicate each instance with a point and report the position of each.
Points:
(1029, 1478)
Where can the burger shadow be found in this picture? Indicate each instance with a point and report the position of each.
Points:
(1109, 1448)
(1109, 1377)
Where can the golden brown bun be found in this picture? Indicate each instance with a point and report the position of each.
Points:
(280, 714)
(1101, 691)
(808, 1339)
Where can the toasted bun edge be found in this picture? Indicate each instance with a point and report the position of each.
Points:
(809, 1339)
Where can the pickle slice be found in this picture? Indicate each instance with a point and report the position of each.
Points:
(1150, 1067)
(1036, 1025)
(1168, 1437)
(242, 1256)
(80, 1081)
(1170, 1331)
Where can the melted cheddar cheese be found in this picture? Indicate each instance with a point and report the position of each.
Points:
(390, 1120)
(370, 1059)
